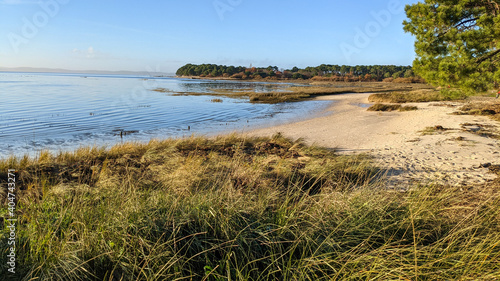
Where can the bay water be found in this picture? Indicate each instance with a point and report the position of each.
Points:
(59, 112)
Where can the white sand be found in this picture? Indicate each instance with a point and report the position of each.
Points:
(397, 143)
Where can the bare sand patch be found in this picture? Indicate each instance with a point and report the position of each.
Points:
(429, 145)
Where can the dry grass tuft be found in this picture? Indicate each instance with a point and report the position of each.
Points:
(391, 107)
(490, 108)
(438, 129)
(424, 95)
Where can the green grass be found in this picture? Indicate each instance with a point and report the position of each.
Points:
(235, 208)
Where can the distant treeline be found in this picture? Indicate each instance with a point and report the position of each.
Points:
(326, 72)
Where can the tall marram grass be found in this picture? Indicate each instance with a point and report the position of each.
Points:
(235, 208)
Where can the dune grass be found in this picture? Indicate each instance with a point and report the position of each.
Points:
(490, 108)
(418, 95)
(235, 208)
(391, 107)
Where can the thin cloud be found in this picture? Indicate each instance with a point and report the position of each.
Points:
(91, 53)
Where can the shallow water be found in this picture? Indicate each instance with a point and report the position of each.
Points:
(65, 111)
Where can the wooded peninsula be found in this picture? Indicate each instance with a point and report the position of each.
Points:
(324, 72)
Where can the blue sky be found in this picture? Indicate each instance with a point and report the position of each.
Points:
(164, 35)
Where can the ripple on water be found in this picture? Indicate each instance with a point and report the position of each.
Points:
(63, 112)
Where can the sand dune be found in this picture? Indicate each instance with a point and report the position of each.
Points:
(396, 140)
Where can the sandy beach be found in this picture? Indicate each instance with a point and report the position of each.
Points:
(402, 143)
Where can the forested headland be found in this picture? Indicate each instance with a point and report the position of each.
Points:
(324, 72)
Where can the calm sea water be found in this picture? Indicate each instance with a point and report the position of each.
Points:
(65, 111)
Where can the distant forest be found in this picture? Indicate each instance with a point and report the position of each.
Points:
(324, 72)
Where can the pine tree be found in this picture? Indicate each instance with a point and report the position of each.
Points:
(457, 42)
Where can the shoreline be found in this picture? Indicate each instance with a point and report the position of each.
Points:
(401, 142)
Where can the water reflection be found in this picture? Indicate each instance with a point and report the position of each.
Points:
(63, 111)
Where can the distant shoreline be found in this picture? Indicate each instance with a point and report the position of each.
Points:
(69, 71)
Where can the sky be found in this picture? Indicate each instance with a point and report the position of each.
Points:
(163, 35)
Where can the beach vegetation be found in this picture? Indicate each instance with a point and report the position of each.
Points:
(418, 95)
(437, 129)
(241, 208)
(391, 107)
(483, 130)
(490, 108)
(306, 91)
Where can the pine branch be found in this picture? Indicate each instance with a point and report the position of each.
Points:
(489, 56)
